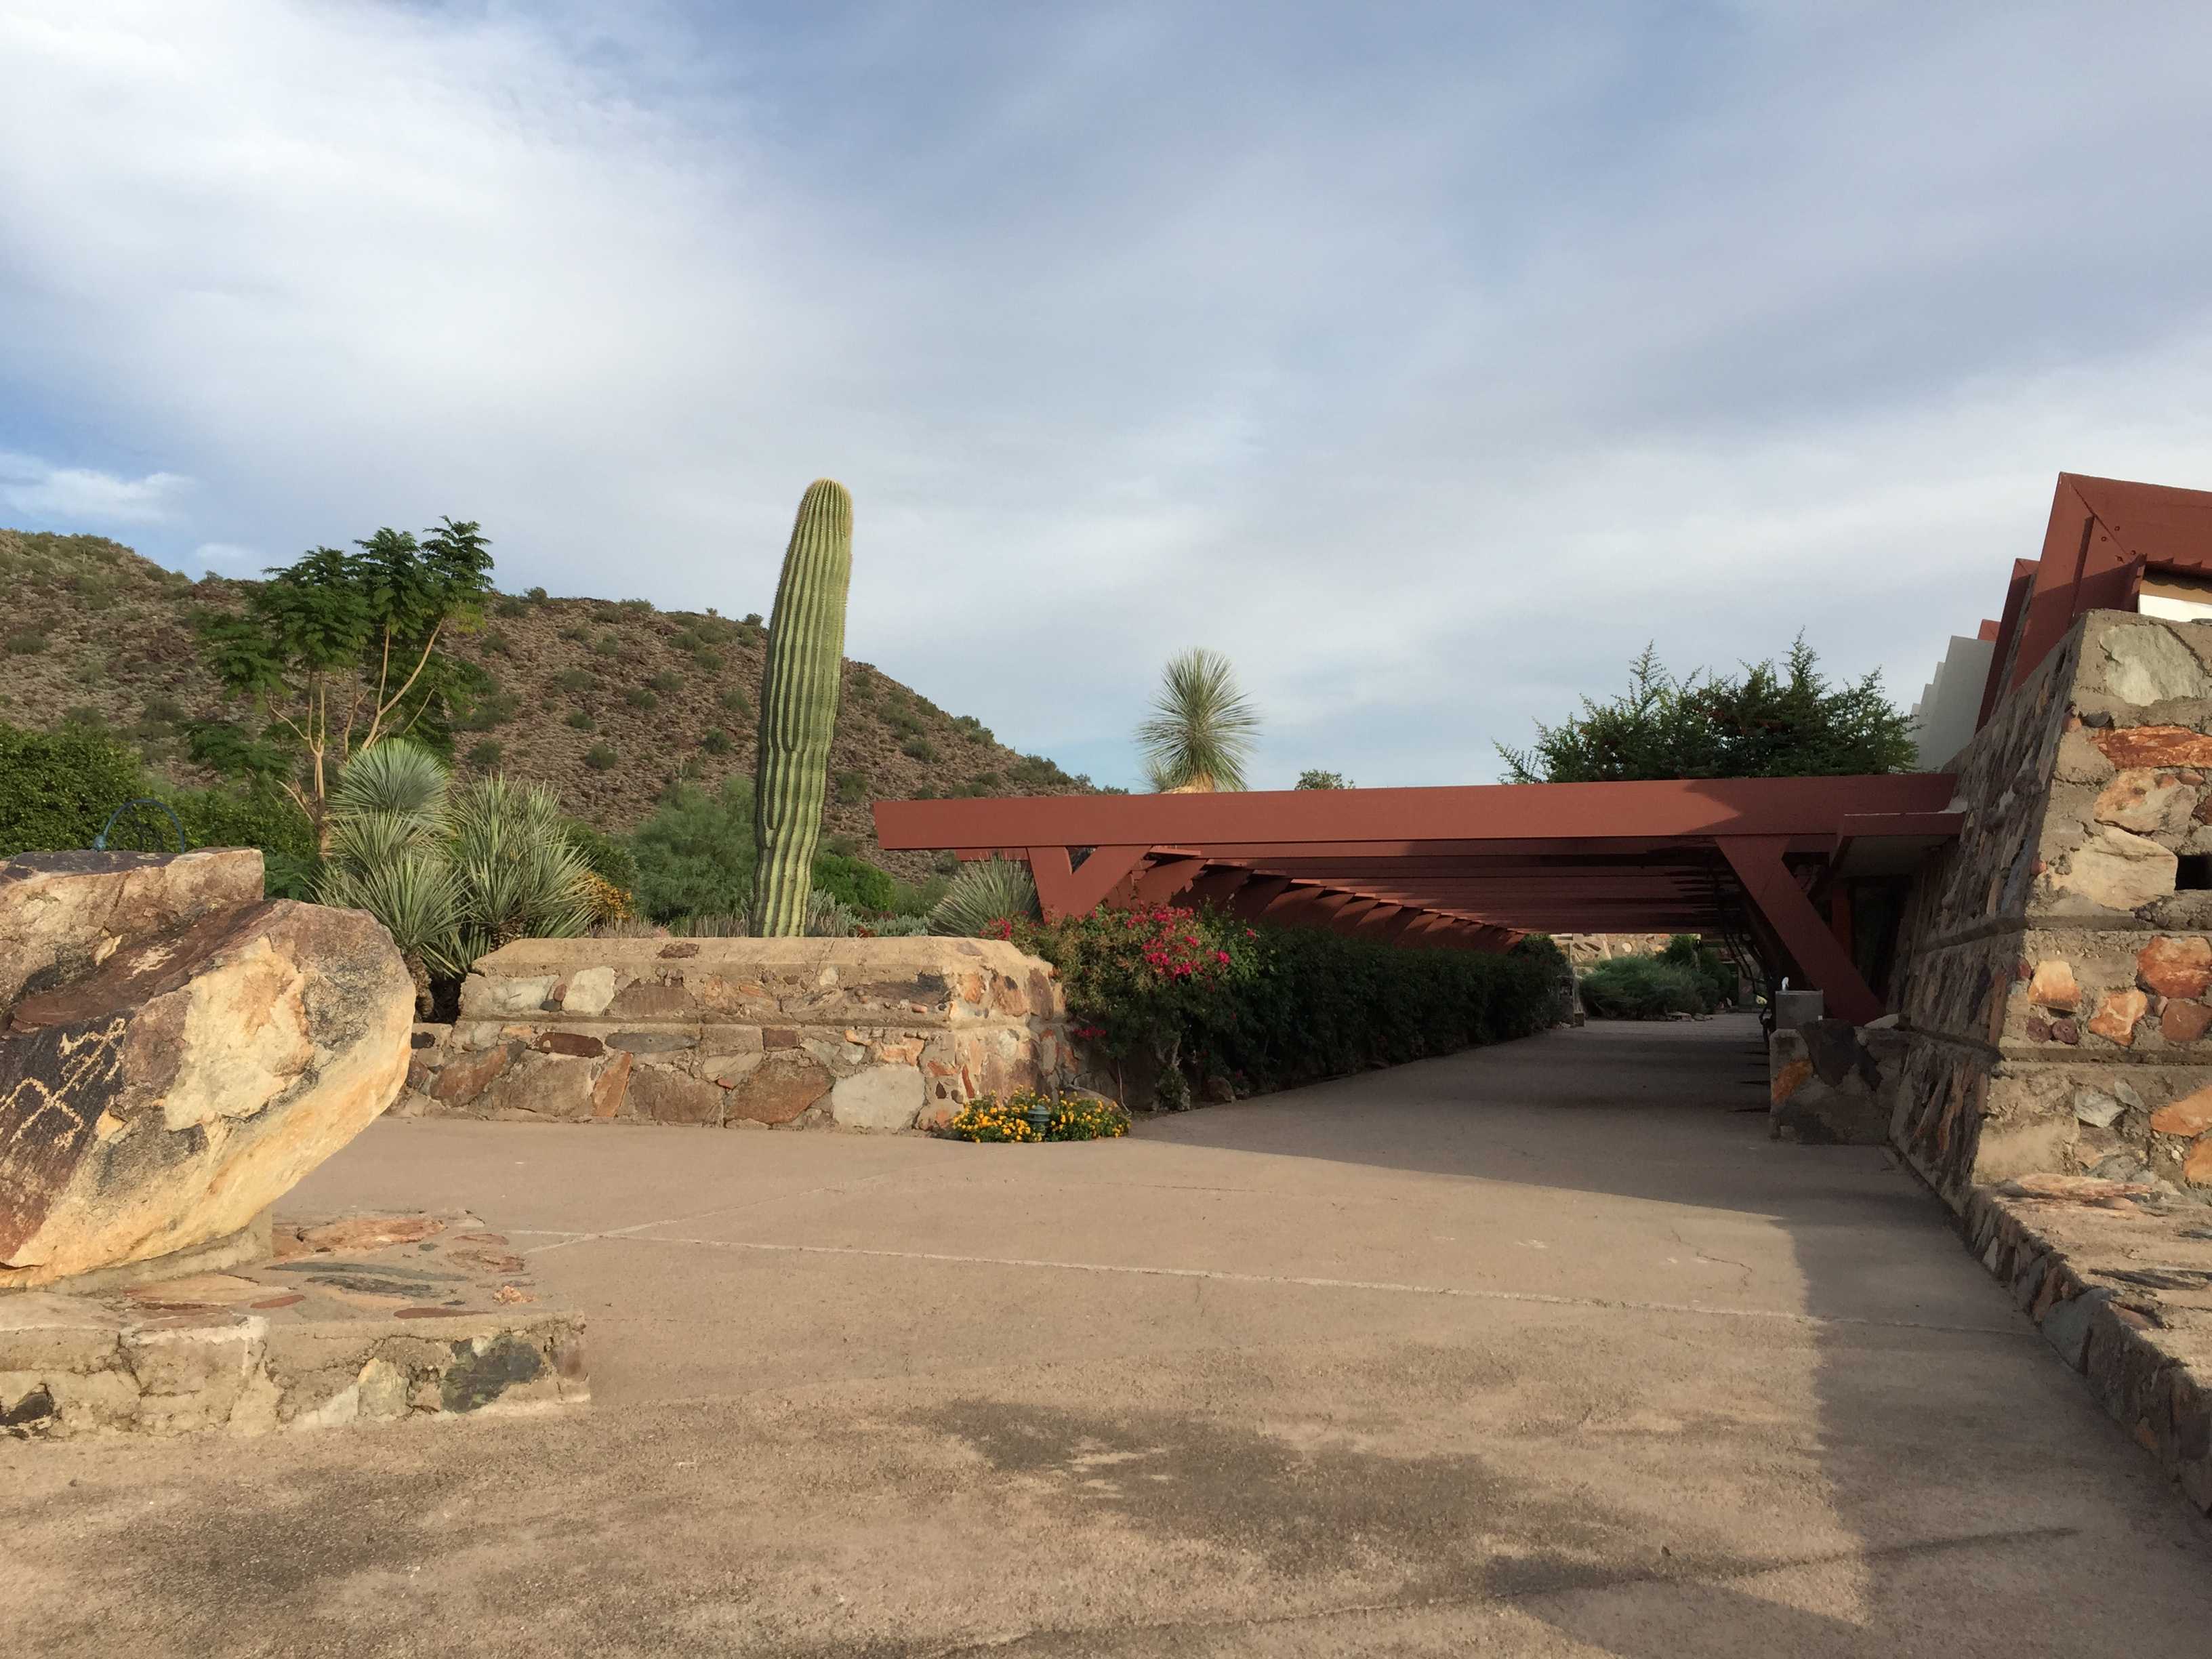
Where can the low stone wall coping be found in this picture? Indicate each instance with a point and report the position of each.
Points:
(2119, 1282)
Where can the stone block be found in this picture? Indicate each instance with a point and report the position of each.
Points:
(665, 1096)
(502, 998)
(2114, 870)
(881, 1097)
(552, 1086)
(590, 991)
(784, 1084)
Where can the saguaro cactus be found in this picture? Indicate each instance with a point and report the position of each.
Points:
(799, 705)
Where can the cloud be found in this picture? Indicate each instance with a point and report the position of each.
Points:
(1428, 362)
(75, 496)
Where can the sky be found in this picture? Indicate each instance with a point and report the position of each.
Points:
(1428, 360)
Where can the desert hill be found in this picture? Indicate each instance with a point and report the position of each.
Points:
(609, 700)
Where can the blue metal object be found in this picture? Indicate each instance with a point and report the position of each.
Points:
(99, 841)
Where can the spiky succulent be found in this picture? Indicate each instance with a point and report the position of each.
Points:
(989, 890)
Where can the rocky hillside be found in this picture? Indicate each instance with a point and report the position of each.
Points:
(608, 701)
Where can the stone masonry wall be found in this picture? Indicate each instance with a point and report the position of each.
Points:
(2055, 964)
(856, 1033)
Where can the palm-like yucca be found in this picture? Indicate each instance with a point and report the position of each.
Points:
(982, 893)
(385, 855)
(451, 873)
(1202, 729)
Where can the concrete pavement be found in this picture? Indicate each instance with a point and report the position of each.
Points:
(1542, 1349)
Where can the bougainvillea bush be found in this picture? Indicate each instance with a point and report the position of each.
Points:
(1171, 996)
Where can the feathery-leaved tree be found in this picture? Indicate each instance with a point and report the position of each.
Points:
(339, 652)
(1201, 733)
(1766, 722)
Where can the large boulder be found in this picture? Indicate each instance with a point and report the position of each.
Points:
(64, 914)
(162, 1096)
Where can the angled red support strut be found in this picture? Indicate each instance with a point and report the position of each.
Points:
(1803, 930)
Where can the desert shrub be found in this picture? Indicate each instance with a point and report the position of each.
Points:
(852, 788)
(535, 595)
(638, 697)
(27, 642)
(736, 702)
(508, 605)
(600, 757)
(577, 718)
(894, 926)
(495, 708)
(665, 682)
(1074, 1117)
(1174, 994)
(497, 642)
(56, 788)
(484, 755)
(971, 728)
(1642, 988)
(576, 679)
(852, 881)
(920, 749)
(716, 742)
(694, 855)
(1718, 979)
(917, 900)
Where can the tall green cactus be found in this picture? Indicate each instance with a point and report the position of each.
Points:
(799, 705)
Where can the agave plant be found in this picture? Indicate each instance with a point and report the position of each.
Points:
(1202, 728)
(986, 892)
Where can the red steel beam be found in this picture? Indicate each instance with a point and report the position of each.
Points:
(1543, 812)
(1163, 880)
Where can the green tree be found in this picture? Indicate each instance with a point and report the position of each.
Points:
(1200, 734)
(1766, 722)
(339, 652)
(1314, 778)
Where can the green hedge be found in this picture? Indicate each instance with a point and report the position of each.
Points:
(1271, 1007)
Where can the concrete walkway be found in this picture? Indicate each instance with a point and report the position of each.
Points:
(1544, 1349)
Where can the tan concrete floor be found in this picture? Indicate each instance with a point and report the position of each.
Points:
(1544, 1349)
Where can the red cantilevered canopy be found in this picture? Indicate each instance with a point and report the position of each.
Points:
(1475, 867)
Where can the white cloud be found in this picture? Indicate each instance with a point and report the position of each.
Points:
(1429, 367)
(74, 497)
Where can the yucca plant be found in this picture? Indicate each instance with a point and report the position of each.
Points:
(519, 876)
(451, 873)
(1202, 729)
(988, 890)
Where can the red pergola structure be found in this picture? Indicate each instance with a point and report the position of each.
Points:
(1475, 867)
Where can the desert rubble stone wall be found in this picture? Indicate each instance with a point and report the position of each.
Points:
(2055, 980)
(853, 1033)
